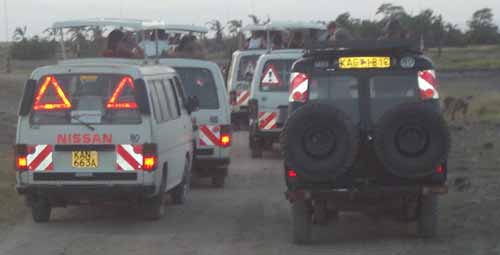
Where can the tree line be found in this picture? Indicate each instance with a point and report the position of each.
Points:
(426, 25)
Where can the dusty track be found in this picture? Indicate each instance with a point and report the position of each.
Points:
(251, 216)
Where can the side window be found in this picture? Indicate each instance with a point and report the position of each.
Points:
(171, 100)
(164, 91)
(176, 98)
(155, 101)
(179, 87)
(163, 102)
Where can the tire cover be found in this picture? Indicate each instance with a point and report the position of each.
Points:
(320, 141)
(412, 140)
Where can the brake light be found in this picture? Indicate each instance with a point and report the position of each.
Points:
(150, 157)
(291, 173)
(63, 102)
(428, 85)
(299, 84)
(225, 136)
(114, 103)
(440, 169)
(21, 155)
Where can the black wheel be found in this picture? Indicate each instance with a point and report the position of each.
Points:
(218, 181)
(412, 140)
(301, 222)
(179, 193)
(40, 210)
(154, 208)
(427, 224)
(256, 148)
(320, 141)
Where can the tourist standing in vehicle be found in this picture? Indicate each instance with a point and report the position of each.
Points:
(149, 44)
(336, 34)
(121, 46)
(297, 41)
(257, 40)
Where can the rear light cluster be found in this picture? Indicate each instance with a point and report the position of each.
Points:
(149, 157)
(299, 85)
(114, 103)
(21, 157)
(428, 85)
(225, 136)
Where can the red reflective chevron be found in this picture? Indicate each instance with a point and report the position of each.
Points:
(267, 120)
(128, 157)
(242, 97)
(209, 135)
(41, 158)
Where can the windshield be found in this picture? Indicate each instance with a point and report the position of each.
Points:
(276, 76)
(85, 98)
(200, 82)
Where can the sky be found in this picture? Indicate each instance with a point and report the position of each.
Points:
(40, 14)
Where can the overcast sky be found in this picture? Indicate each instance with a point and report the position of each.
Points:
(40, 14)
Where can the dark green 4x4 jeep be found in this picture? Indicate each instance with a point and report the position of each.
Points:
(364, 133)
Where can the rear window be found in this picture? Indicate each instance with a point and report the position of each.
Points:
(276, 76)
(246, 71)
(200, 82)
(334, 87)
(88, 98)
(394, 86)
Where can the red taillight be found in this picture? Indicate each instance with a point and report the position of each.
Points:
(291, 173)
(440, 169)
(225, 136)
(428, 85)
(63, 102)
(149, 157)
(21, 154)
(113, 102)
(299, 84)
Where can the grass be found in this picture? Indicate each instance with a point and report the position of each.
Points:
(485, 105)
(471, 57)
(12, 209)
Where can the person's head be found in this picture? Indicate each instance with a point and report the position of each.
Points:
(332, 27)
(114, 38)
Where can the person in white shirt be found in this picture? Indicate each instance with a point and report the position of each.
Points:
(149, 44)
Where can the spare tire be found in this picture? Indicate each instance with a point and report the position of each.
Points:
(412, 140)
(319, 140)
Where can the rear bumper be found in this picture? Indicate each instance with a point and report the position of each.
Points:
(379, 193)
(274, 133)
(100, 190)
(211, 163)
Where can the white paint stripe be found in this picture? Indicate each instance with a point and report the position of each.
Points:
(424, 85)
(38, 150)
(45, 163)
(264, 116)
(124, 165)
(130, 150)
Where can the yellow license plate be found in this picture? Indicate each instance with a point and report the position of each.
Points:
(364, 62)
(85, 159)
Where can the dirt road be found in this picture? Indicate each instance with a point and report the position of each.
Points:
(251, 216)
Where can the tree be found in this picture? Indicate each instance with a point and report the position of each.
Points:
(390, 11)
(218, 28)
(234, 27)
(257, 21)
(20, 34)
(482, 29)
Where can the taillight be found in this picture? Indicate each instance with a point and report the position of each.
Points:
(114, 102)
(299, 84)
(149, 157)
(291, 173)
(440, 169)
(21, 157)
(225, 136)
(428, 85)
(62, 102)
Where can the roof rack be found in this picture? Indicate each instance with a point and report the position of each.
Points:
(363, 45)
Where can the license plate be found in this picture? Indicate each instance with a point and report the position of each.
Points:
(364, 62)
(85, 159)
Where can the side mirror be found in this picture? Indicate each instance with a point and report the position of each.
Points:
(253, 109)
(193, 104)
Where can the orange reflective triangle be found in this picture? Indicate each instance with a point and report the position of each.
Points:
(63, 102)
(114, 103)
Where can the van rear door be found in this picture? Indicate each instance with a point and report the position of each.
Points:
(84, 127)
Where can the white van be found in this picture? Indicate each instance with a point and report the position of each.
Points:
(268, 104)
(103, 129)
(203, 80)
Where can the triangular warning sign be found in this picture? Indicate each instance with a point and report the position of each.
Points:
(271, 77)
(114, 101)
(57, 92)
